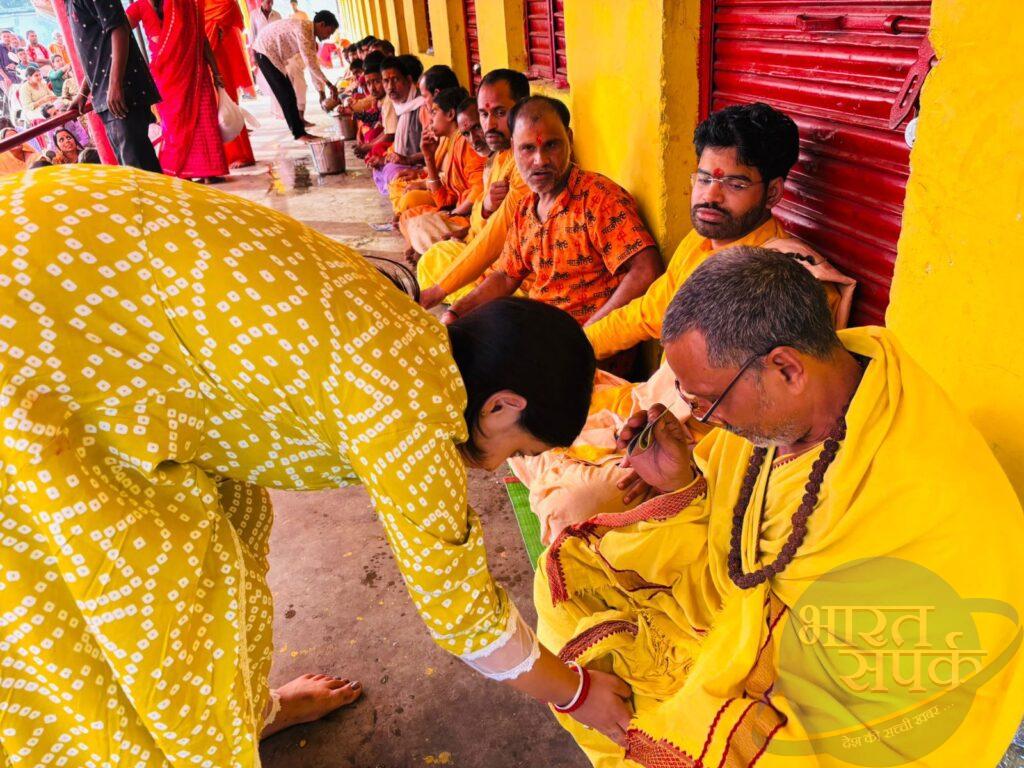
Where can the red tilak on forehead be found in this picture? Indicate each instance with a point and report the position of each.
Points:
(539, 138)
(718, 173)
(487, 105)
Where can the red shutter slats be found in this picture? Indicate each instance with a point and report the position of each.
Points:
(545, 40)
(836, 67)
(472, 44)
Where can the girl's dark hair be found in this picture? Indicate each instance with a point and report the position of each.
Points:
(438, 78)
(533, 349)
(449, 99)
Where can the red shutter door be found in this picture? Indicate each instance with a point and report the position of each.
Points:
(472, 44)
(430, 30)
(558, 17)
(538, 38)
(836, 67)
(545, 40)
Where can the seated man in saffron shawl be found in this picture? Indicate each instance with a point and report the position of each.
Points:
(814, 586)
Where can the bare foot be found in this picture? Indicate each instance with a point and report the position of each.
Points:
(242, 164)
(308, 138)
(309, 698)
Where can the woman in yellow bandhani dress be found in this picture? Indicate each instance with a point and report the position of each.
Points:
(168, 352)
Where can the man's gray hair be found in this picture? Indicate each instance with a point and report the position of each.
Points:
(746, 301)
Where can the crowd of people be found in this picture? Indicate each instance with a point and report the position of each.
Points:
(36, 83)
(709, 526)
(198, 54)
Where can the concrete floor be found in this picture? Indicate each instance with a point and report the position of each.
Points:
(340, 604)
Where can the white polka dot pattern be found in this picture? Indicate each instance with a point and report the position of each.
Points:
(166, 352)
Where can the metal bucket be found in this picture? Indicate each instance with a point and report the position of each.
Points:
(328, 156)
(347, 127)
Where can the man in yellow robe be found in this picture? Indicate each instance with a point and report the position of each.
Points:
(744, 154)
(827, 581)
(451, 268)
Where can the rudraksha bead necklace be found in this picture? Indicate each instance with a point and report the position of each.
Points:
(799, 519)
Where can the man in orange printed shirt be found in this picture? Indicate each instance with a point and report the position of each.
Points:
(578, 235)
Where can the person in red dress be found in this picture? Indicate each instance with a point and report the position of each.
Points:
(224, 26)
(181, 63)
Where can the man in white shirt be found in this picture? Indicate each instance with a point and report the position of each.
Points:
(277, 43)
(262, 16)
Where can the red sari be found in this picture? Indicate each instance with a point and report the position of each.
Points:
(224, 25)
(191, 146)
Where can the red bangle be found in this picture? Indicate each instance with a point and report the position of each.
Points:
(581, 693)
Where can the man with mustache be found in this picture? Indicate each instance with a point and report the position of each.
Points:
(579, 235)
(743, 156)
(451, 267)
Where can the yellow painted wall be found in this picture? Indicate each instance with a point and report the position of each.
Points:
(957, 292)
(501, 34)
(626, 122)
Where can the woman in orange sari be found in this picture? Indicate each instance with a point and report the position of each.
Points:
(439, 204)
(181, 63)
(224, 25)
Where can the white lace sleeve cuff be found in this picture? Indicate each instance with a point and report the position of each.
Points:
(511, 655)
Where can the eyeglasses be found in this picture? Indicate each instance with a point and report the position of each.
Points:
(729, 183)
(695, 405)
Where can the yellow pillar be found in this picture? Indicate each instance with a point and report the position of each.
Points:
(384, 23)
(449, 30)
(414, 13)
(395, 10)
(501, 33)
(632, 71)
(363, 24)
(955, 301)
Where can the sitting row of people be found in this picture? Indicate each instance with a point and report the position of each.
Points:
(660, 569)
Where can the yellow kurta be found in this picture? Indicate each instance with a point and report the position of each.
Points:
(640, 320)
(915, 514)
(454, 265)
(167, 352)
